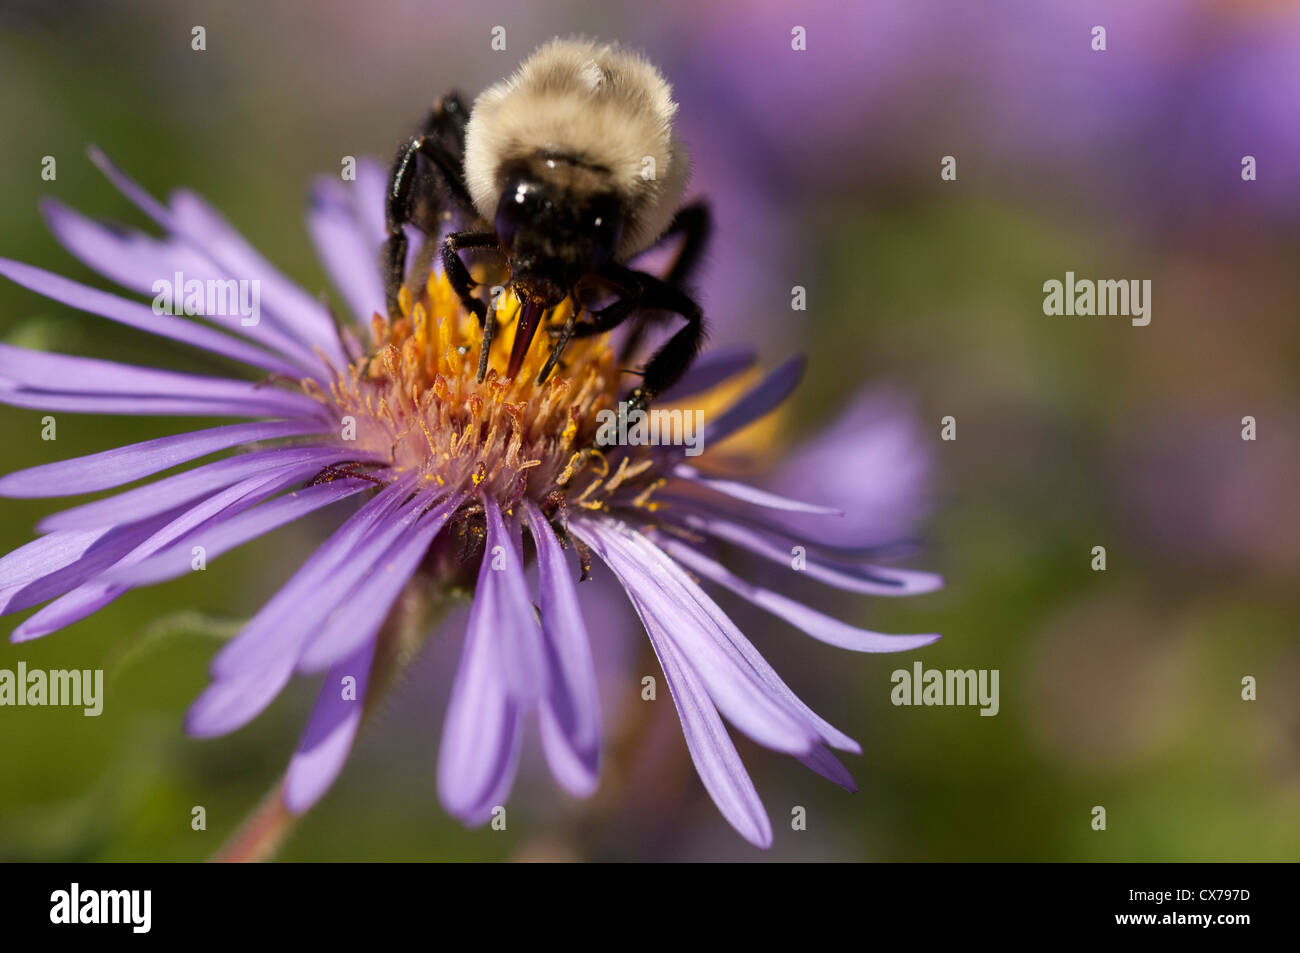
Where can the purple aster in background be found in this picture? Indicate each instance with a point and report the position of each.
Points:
(460, 484)
(1160, 120)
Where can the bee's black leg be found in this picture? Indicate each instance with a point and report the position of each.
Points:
(399, 206)
(394, 266)
(441, 141)
(670, 362)
(458, 275)
(614, 314)
(653, 300)
(602, 320)
(694, 222)
(561, 342)
(461, 283)
(447, 121)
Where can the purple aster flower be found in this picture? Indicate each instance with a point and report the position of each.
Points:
(1157, 124)
(459, 484)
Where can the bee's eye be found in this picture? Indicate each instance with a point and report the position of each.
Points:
(518, 204)
(605, 223)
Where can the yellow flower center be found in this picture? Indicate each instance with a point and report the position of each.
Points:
(415, 400)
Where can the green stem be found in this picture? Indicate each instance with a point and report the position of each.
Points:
(261, 834)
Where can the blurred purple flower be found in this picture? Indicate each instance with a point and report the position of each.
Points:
(451, 471)
(872, 462)
(1162, 118)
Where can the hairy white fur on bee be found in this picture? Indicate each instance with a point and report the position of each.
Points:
(609, 107)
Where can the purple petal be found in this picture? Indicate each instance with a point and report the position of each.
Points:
(479, 753)
(751, 494)
(501, 675)
(809, 533)
(570, 716)
(770, 393)
(371, 187)
(107, 548)
(359, 616)
(657, 564)
(250, 671)
(669, 610)
(708, 372)
(127, 186)
(138, 405)
(345, 246)
(821, 760)
(327, 740)
(41, 373)
(191, 219)
(46, 554)
(93, 595)
(873, 461)
(817, 624)
(230, 703)
(860, 577)
(293, 308)
(501, 603)
(112, 468)
(137, 261)
(284, 624)
(175, 561)
(142, 317)
(128, 257)
(712, 751)
(816, 724)
(153, 498)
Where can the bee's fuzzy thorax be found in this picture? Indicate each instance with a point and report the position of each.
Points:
(608, 106)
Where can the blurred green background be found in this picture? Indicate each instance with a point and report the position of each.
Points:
(1119, 688)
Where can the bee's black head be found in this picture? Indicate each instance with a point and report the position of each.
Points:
(554, 228)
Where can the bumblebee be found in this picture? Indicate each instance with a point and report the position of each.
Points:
(569, 169)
